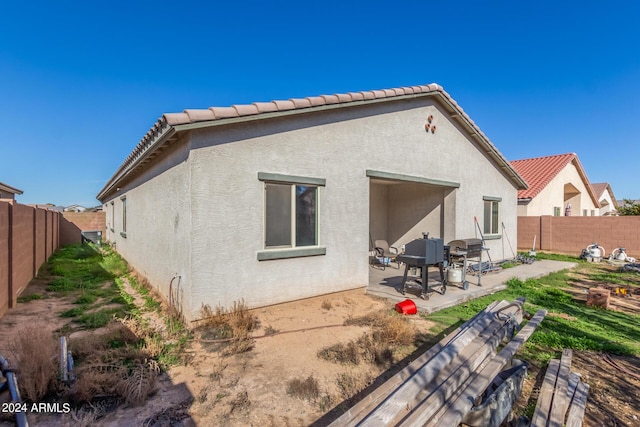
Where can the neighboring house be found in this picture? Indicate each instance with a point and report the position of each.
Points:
(604, 193)
(558, 186)
(49, 206)
(75, 208)
(8, 192)
(278, 201)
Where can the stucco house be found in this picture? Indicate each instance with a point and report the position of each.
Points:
(278, 201)
(558, 185)
(8, 192)
(606, 198)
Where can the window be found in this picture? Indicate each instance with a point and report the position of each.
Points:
(584, 212)
(291, 215)
(112, 216)
(491, 215)
(123, 233)
(593, 213)
(556, 211)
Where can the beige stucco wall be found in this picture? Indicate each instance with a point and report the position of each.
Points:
(606, 201)
(157, 242)
(227, 199)
(553, 196)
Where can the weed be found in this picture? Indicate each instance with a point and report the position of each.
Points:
(234, 324)
(72, 312)
(326, 305)
(27, 298)
(86, 298)
(351, 384)
(305, 389)
(34, 354)
(240, 402)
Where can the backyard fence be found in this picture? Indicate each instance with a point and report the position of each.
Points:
(28, 237)
(572, 234)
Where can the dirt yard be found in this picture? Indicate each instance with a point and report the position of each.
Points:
(255, 388)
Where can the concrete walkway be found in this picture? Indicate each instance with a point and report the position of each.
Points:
(387, 284)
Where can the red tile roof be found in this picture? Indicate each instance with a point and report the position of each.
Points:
(540, 171)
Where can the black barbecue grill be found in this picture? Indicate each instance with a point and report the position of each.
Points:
(464, 250)
(422, 253)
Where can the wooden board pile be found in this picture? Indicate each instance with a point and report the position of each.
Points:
(440, 387)
(563, 397)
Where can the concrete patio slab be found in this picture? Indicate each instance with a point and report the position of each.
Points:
(386, 283)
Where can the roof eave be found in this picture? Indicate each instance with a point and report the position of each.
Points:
(164, 131)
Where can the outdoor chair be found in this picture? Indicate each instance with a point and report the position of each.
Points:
(386, 254)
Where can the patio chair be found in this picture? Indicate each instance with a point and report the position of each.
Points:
(384, 251)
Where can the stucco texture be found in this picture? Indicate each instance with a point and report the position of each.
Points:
(199, 211)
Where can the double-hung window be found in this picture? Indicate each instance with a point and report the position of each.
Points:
(491, 215)
(290, 216)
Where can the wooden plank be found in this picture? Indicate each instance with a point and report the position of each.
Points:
(456, 409)
(396, 404)
(560, 400)
(449, 381)
(361, 409)
(578, 405)
(545, 398)
(574, 379)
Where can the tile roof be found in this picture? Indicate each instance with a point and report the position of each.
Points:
(170, 123)
(599, 189)
(540, 171)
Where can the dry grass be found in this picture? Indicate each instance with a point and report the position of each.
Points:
(240, 402)
(326, 305)
(352, 384)
(34, 354)
(135, 387)
(234, 325)
(113, 364)
(305, 389)
(388, 332)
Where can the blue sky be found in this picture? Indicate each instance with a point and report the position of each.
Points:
(81, 82)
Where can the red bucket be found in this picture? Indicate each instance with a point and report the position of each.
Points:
(406, 307)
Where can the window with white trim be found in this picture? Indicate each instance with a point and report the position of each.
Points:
(556, 211)
(492, 215)
(291, 215)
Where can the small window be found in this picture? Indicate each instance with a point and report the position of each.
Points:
(593, 213)
(124, 216)
(290, 215)
(584, 212)
(491, 216)
(556, 211)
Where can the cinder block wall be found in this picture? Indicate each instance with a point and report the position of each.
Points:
(571, 234)
(75, 222)
(28, 236)
(5, 270)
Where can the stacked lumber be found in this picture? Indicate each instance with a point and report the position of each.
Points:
(561, 391)
(440, 386)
